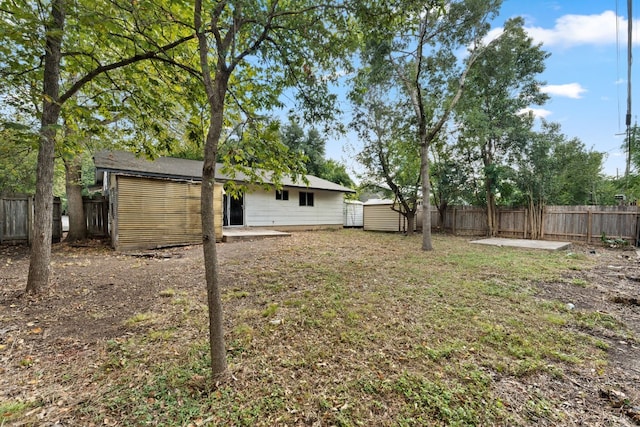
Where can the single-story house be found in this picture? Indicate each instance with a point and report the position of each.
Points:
(163, 196)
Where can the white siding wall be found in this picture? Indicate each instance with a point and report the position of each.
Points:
(263, 210)
(353, 213)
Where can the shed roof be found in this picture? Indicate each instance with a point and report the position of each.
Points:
(171, 167)
(378, 202)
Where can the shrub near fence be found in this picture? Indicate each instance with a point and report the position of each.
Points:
(574, 223)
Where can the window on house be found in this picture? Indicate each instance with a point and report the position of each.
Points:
(306, 199)
(282, 194)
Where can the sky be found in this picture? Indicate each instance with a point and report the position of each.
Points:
(585, 76)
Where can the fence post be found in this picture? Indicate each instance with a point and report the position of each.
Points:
(453, 224)
(589, 223)
(105, 216)
(29, 220)
(526, 217)
(1, 219)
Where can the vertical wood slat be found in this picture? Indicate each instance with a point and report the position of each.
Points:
(16, 219)
(577, 223)
(96, 211)
(30, 220)
(153, 213)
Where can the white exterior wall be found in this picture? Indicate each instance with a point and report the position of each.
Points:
(261, 209)
(353, 213)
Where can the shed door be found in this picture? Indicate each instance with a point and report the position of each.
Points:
(234, 210)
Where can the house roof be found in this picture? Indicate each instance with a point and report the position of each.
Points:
(183, 169)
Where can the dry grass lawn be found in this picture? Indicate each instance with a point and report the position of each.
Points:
(344, 328)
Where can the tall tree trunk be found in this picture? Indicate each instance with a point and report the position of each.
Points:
(216, 90)
(40, 255)
(533, 220)
(536, 209)
(489, 185)
(75, 206)
(426, 193)
(411, 223)
(216, 332)
(442, 210)
(492, 212)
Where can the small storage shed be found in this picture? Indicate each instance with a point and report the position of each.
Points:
(353, 213)
(378, 215)
(149, 213)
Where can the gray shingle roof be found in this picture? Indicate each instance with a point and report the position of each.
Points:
(183, 169)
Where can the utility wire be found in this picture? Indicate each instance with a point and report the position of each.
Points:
(629, 61)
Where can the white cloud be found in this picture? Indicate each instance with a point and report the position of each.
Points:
(570, 90)
(537, 112)
(493, 34)
(574, 30)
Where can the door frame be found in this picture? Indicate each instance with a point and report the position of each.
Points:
(233, 209)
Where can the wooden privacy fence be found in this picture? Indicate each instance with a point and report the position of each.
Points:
(575, 223)
(96, 211)
(16, 219)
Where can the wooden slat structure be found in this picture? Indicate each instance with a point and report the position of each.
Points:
(378, 215)
(16, 219)
(149, 213)
(461, 221)
(588, 223)
(574, 223)
(96, 210)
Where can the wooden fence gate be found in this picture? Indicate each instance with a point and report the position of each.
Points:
(16, 219)
(96, 212)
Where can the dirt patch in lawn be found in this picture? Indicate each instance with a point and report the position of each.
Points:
(57, 348)
(608, 293)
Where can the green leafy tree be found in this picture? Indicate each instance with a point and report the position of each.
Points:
(553, 169)
(629, 183)
(605, 191)
(18, 155)
(536, 166)
(95, 38)
(311, 145)
(249, 52)
(501, 84)
(389, 155)
(578, 172)
(335, 171)
(415, 47)
(451, 176)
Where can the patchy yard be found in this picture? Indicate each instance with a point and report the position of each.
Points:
(325, 328)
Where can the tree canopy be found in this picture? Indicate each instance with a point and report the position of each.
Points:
(501, 85)
(415, 48)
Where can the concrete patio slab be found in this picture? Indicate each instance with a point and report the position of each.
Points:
(236, 234)
(525, 243)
